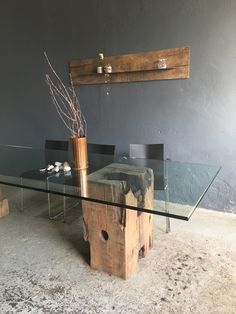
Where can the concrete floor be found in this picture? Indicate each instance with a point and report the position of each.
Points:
(44, 266)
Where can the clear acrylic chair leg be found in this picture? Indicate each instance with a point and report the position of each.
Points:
(167, 210)
(64, 204)
(49, 201)
(166, 197)
(21, 196)
(63, 212)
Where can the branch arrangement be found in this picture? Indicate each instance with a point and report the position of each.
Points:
(66, 103)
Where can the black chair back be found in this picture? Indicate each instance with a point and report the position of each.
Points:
(149, 151)
(101, 149)
(56, 150)
(98, 162)
(152, 152)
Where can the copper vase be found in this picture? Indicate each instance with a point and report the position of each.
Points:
(79, 145)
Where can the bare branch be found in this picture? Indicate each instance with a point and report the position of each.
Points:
(66, 103)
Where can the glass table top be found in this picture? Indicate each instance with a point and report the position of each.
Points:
(166, 188)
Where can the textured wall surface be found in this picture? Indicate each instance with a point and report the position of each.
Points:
(195, 118)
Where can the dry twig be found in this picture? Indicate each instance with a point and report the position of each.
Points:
(66, 103)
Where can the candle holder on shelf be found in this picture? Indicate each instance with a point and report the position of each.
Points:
(108, 68)
(161, 65)
(100, 63)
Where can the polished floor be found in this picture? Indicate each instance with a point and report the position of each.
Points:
(44, 266)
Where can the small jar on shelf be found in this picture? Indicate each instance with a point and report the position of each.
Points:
(162, 63)
(100, 63)
(108, 68)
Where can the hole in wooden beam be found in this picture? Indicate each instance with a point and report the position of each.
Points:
(141, 252)
(104, 235)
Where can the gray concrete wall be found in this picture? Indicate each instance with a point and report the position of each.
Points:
(195, 118)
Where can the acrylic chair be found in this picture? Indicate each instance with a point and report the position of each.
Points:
(62, 147)
(56, 150)
(155, 152)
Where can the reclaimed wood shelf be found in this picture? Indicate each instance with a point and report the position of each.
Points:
(133, 67)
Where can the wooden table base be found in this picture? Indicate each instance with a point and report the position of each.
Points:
(117, 236)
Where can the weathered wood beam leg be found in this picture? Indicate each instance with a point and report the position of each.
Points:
(4, 206)
(118, 237)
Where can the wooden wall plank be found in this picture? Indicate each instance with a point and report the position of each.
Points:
(133, 67)
(169, 74)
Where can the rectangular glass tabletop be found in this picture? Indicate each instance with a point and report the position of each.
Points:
(174, 188)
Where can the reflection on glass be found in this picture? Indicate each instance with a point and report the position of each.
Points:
(178, 187)
(83, 182)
